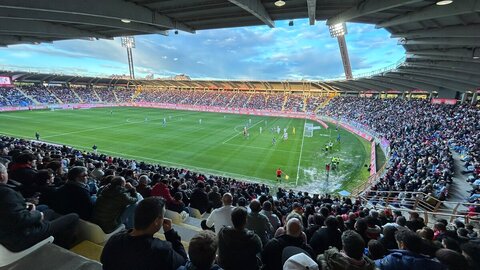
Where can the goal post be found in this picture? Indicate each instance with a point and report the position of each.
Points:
(308, 130)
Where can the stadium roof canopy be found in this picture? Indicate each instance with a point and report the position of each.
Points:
(442, 42)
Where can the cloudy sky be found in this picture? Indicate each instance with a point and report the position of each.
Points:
(251, 53)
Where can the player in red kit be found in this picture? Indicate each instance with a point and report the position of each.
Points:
(279, 175)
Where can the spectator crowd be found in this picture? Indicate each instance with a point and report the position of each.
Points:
(45, 189)
(28, 95)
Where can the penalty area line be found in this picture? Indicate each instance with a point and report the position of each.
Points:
(301, 151)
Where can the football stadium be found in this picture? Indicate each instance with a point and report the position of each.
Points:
(240, 134)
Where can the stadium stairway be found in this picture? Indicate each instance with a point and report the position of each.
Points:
(138, 91)
(115, 95)
(230, 101)
(28, 96)
(55, 96)
(323, 104)
(285, 99)
(97, 95)
(77, 95)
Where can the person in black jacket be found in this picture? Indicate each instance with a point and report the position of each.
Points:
(329, 236)
(272, 253)
(23, 170)
(22, 226)
(199, 198)
(137, 249)
(415, 222)
(74, 196)
(237, 246)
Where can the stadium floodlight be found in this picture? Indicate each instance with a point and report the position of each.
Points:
(444, 2)
(279, 3)
(337, 30)
(129, 43)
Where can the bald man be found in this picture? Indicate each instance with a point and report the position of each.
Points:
(272, 252)
(222, 217)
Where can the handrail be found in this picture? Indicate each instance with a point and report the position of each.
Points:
(419, 202)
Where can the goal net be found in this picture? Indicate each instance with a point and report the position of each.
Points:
(308, 130)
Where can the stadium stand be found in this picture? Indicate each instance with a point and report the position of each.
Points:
(13, 97)
(407, 197)
(105, 94)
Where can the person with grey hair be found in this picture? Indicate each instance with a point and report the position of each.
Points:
(272, 252)
(22, 225)
(74, 196)
(273, 218)
(258, 222)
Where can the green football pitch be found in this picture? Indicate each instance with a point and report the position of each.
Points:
(211, 143)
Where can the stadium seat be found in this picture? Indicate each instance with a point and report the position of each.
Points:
(7, 257)
(51, 256)
(88, 250)
(194, 212)
(175, 217)
(93, 233)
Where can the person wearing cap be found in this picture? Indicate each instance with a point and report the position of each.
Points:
(272, 252)
(295, 258)
(350, 257)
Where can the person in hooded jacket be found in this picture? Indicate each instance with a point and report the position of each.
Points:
(351, 256)
(111, 203)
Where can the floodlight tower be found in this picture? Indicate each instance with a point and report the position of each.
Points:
(129, 43)
(339, 31)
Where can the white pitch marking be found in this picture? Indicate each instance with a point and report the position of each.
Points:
(301, 151)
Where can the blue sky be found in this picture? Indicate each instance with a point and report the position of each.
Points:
(249, 53)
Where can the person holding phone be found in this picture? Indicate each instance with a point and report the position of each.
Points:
(22, 225)
(138, 249)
